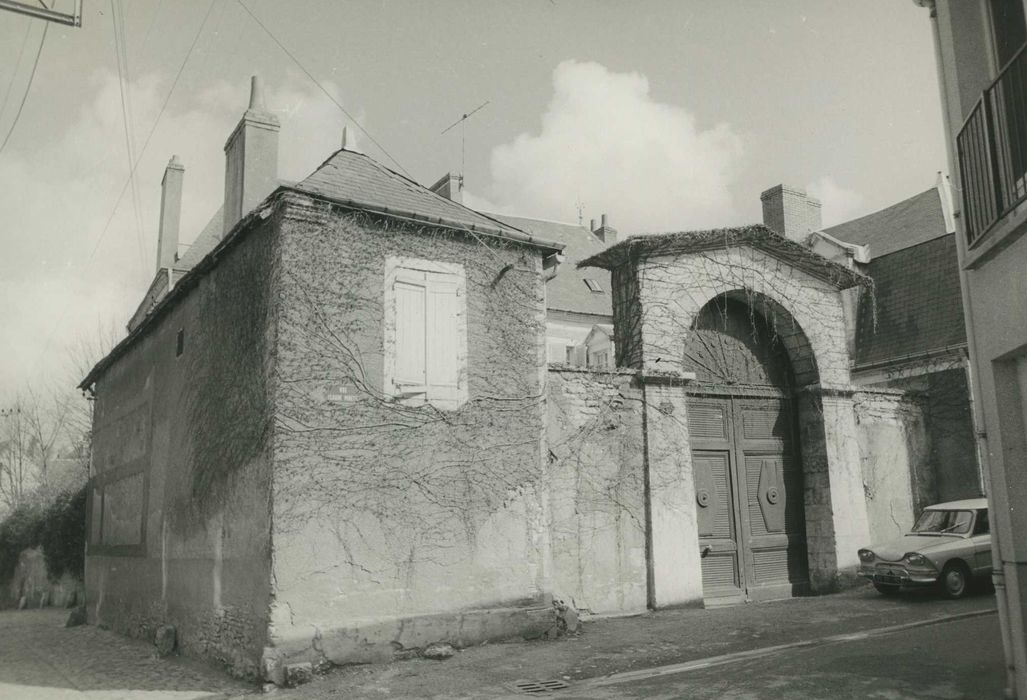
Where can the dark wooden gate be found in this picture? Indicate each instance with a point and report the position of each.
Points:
(746, 458)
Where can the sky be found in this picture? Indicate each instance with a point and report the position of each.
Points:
(666, 116)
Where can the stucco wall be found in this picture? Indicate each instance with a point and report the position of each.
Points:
(597, 508)
(192, 430)
(893, 448)
(394, 523)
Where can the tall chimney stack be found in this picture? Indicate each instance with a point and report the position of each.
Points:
(170, 214)
(791, 212)
(251, 158)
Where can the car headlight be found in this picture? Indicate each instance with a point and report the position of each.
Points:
(917, 559)
(866, 555)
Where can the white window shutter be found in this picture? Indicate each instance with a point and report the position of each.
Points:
(443, 376)
(411, 351)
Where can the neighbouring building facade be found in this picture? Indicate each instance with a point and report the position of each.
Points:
(981, 65)
(357, 417)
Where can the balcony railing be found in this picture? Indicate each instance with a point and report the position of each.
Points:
(992, 150)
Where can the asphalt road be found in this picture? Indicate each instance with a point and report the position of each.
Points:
(949, 660)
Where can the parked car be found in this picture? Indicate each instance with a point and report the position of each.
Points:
(949, 545)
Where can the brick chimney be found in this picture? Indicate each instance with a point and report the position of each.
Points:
(791, 212)
(170, 214)
(606, 233)
(450, 187)
(251, 159)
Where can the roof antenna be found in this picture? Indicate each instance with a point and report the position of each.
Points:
(463, 137)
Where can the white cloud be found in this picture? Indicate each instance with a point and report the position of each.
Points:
(605, 142)
(57, 199)
(837, 203)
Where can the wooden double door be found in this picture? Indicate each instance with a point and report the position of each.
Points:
(749, 498)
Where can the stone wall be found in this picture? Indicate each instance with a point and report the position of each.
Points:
(180, 478)
(596, 490)
(397, 525)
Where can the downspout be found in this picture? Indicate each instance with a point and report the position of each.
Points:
(998, 576)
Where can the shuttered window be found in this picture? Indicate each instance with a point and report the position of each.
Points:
(425, 332)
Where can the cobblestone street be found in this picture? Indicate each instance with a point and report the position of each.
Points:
(41, 659)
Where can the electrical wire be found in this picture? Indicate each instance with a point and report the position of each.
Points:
(24, 97)
(124, 188)
(322, 87)
(121, 51)
(153, 128)
(17, 66)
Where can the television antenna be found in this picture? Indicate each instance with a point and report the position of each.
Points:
(461, 122)
(46, 12)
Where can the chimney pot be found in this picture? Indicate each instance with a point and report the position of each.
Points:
(604, 221)
(345, 139)
(257, 94)
(592, 225)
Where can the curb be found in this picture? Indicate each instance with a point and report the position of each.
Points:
(709, 662)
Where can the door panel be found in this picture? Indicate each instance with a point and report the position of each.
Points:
(749, 496)
(716, 517)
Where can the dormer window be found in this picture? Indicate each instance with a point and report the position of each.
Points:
(593, 285)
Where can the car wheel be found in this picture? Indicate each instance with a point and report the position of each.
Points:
(955, 579)
(886, 588)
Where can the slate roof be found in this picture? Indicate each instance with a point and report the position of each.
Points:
(918, 303)
(755, 236)
(347, 178)
(910, 222)
(568, 291)
(352, 178)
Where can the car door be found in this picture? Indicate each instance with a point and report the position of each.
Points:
(981, 539)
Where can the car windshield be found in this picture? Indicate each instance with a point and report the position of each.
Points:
(943, 522)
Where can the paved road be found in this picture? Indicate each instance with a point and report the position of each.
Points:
(41, 660)
(949, 660)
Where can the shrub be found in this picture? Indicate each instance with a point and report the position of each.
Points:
(58, 527)
(18, 531)
(62, 534)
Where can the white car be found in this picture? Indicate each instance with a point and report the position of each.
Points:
(949, 545)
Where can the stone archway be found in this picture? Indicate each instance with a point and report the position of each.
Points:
(754, 467)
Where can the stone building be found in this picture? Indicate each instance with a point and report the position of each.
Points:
(324, 439)
(344, 424)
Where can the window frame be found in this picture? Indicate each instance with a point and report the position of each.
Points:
(436, 275)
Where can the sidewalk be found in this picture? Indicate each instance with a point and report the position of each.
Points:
(614, 646)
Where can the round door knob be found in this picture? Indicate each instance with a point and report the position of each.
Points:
(772, 495)
(703, 498)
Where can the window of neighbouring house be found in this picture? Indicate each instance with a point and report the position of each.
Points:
(593, 285)
(425, 332)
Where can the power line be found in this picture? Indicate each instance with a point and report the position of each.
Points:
(322, 87)
(121, 54)
(17, 66)
(35, 64)
(153, 128)
(124, 187)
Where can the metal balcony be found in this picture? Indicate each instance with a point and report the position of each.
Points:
(992, 150)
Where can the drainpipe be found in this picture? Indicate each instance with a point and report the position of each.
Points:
(998, 575)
